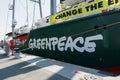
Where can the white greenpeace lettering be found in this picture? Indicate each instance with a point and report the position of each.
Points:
(89, 44)
(81, 41)
(61, 43)
(54, 42)
(65, 44)
(31, 44)
(38, 43)
(48, 44)
(69, 44)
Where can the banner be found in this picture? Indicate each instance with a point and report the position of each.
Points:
(89, 8)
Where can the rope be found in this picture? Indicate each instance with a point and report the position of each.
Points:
(91, 30)
(27, 19)
(26, 9)
(7, 18)
(33, 15)
(22, 5)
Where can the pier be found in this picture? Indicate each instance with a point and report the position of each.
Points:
(29, 67)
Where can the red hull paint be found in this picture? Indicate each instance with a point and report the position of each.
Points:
(22, 38)
(115, 70)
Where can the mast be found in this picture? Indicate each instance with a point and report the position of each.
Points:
(13, 18)
(40, 7)
(53, 6)
(13, 25)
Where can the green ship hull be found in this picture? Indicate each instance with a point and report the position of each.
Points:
(92, 41)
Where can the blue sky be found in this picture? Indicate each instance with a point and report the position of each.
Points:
(20, 14)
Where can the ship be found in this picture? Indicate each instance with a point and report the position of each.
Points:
(86, 34)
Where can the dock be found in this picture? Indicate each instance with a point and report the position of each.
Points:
(30, 67)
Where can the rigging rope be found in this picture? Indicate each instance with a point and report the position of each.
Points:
(27, 19)
(26, 9)
(22, 5)
(7, 18)
(33, 20)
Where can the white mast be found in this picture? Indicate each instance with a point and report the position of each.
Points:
(13, 19)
